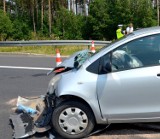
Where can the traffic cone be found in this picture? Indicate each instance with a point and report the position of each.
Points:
(58, 57)
(93, 48)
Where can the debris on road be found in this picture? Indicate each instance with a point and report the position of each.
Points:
(32, 115)
(51, 136)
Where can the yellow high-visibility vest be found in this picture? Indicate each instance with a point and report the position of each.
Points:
(119, 33)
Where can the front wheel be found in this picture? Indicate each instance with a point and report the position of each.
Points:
(73, 120)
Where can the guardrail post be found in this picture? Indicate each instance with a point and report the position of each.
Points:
(88, 47)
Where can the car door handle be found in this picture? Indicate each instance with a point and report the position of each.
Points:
(158, 74)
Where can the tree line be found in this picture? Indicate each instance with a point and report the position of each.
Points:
(51, 19)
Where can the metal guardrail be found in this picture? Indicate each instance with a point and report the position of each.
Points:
(52, 43)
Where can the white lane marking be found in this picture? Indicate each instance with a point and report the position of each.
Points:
(31, 68)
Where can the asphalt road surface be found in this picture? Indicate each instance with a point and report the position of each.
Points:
(25, 75)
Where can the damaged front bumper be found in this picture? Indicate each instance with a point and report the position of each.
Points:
(32, 115)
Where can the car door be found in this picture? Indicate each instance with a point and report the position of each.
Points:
(131, 91)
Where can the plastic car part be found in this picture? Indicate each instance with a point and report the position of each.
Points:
(23, 125)
(25, 122)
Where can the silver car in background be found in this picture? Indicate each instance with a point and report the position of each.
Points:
(118, 84)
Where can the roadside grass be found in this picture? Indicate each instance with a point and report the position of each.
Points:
(47, 50)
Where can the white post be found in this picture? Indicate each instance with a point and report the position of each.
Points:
(69, 5)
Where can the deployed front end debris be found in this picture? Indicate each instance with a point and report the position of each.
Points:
(23, 125)
(31, 115)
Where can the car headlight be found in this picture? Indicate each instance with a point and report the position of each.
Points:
(53, 83)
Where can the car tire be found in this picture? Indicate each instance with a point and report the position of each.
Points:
(72, 119)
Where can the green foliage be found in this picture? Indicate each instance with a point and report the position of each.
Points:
(20, 30)
(105, 15)
(120, 13)
(143, 13)
(98, 19)
(5, 26)
(49, 50)
(67, 25)
(23, 19)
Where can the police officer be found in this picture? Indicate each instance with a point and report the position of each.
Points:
(119, 32)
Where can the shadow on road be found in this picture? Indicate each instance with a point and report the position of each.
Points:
(134, 131)
(130, 129)
(40, 74)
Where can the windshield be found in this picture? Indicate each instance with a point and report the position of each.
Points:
(81, 57)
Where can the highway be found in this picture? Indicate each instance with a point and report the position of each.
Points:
(24, 82)
(25, 75)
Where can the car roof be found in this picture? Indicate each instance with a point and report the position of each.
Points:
(151, 30)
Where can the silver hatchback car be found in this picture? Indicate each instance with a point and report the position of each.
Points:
(118, 84)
